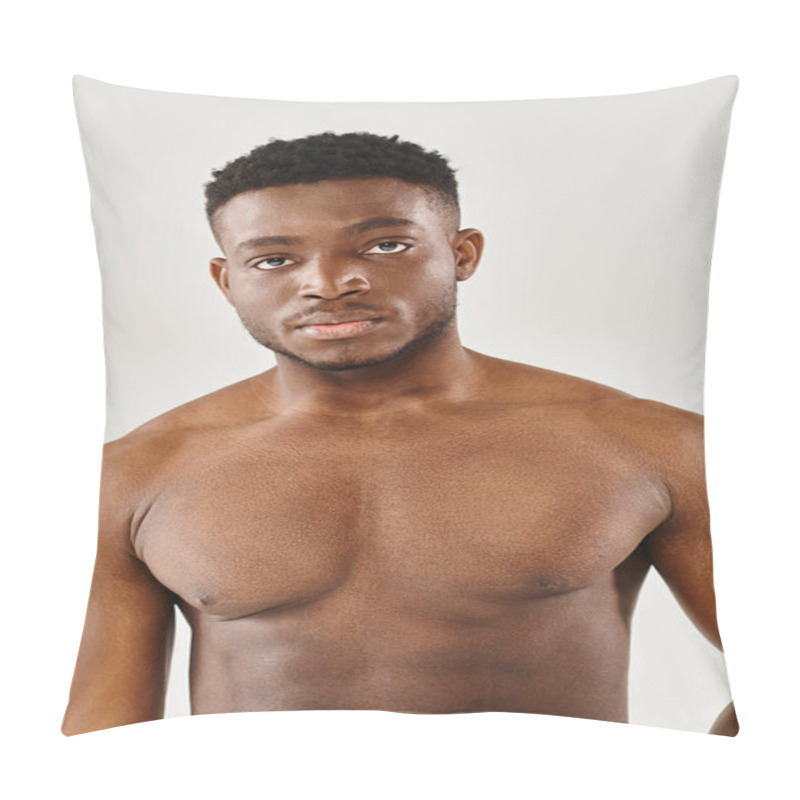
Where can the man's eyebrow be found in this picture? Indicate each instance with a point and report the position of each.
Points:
(358, 227)
(378, 222)
(265, 241)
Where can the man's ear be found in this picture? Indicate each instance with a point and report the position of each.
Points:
(219, 272)
(467, 248)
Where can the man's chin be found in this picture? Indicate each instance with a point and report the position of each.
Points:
(340, 364)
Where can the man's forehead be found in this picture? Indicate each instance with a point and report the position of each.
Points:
(340, 203)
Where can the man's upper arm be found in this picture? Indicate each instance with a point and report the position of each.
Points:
(123, 661)
(680, 548)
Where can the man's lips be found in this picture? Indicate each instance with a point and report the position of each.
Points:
(339, 330)
(335, 317)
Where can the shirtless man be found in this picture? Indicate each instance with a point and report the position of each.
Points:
(385, 519)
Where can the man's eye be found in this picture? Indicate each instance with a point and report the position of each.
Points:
(381, 245)
(269, 263)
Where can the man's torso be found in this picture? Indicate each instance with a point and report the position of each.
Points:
(482, 556)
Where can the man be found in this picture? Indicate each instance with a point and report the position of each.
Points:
(385, 519)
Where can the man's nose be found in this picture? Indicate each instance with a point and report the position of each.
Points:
(331, 278)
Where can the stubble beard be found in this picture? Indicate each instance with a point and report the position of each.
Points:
(444, 319)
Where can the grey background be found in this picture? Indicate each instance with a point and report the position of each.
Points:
(599, 216)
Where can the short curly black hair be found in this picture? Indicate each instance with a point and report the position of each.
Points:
(328, 155)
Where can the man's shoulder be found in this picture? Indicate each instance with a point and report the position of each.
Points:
(640, 421)
(520, 383)
(526, 383)
(637, 419)
(154, 440)
(652, 421)
(668, 438)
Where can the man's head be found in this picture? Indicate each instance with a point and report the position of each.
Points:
(340, 227)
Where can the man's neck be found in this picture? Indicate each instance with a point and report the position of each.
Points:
(443, 371)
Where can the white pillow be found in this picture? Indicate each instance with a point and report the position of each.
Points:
(598, 215)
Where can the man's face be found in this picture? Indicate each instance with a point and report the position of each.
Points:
(374, 252)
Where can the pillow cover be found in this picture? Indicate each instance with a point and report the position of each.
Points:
(454, 461)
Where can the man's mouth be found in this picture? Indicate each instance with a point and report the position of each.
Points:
(339, 330)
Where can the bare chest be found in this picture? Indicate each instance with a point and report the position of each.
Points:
(238, 525)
